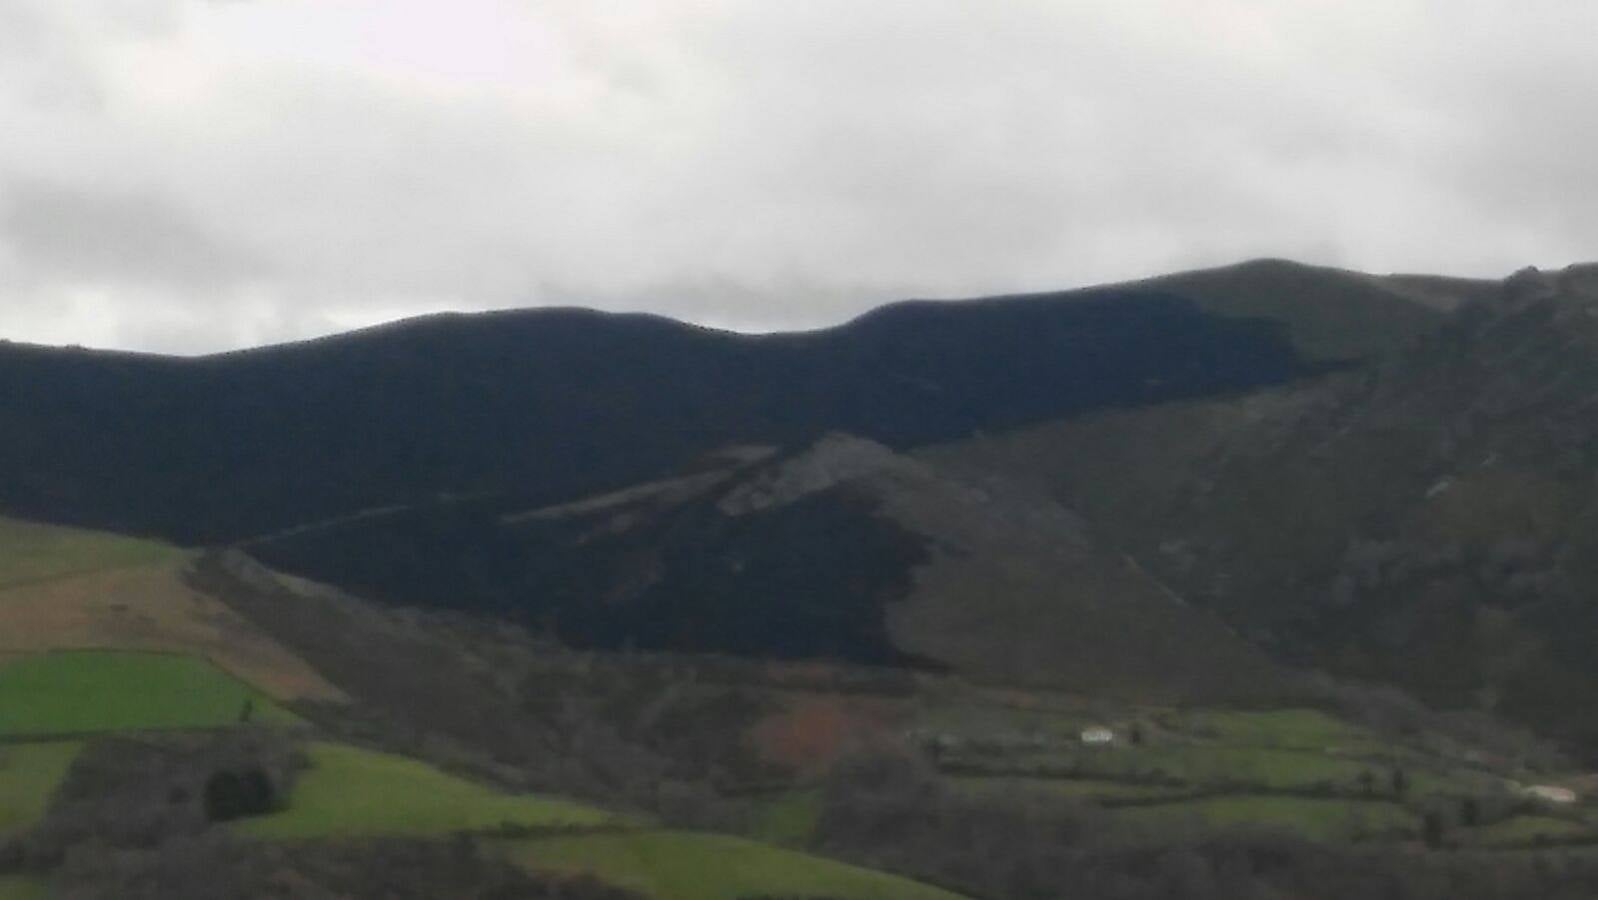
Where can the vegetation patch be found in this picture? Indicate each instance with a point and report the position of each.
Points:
(85, 692)
(989, 716)
(1076, 788)
(1302, 729)
(814, 729)
(29, 774)
(153, 608)
(1321, 819)
(1531, 830)
(351, 792)
(18, 888)
(671, 865)
(1206, 764)
(790, 818)
(32, 552)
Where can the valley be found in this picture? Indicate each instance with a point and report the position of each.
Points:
(1188, 587)
(785, 740)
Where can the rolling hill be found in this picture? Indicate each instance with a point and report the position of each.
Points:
(554, 404)
(461, 756)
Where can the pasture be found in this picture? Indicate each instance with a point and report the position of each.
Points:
(1530, 830)
(1329, 819)
(1191, 769)
(32, 552)
(150, 607)
(350, 792)
(789, 818)
(92, 691)
(673, 865)
(21, 888)
(1215, 764)
(29, 774)
(1300, 729)
(1104, 791)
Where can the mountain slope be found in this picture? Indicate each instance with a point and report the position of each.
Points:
(556, 404)
(1430, 521)
(843, 549)
(1330, 314)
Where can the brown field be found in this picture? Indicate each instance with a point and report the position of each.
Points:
(150, 607)
(814, 729)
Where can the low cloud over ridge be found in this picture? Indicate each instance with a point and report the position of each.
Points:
(191, 176)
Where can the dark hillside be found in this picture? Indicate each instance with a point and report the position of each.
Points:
(1431, 521)
(558, 403)
(1334, 313)
(843, 550)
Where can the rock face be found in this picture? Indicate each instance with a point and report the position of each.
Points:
(835, 459)
(1431, 520)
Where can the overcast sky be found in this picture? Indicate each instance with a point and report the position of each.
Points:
(189, 176)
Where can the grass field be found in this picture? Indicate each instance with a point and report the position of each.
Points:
(1081, 788)
(1328, 819)
(974, 719)
(1271, 768)
(685, 866)
(98, 691)
(1529, 830)
(19, 888)
(1303, 729)
(33, 552)
(1208, 764)
(790, 818)
(150, 607)
(29, 774)
(354, 792)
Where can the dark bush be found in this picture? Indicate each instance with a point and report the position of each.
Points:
(213, 866)
(234, 795)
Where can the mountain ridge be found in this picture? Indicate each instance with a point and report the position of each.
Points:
(552, 403)
(1440, 292)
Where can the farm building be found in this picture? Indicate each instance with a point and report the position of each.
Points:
(1097, 734)
(1551, 793)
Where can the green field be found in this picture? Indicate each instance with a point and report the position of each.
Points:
(354, 792)
(1210, 764)
(29, 774)
(1322, 819)
(789, 818)
(1277, 749)
(684, 866)
(82, 692)
(18, 888)
(1529, 830)
(972, 720)
(32, 552)
(1303, 729)
(1270, 768)
(1077, 788)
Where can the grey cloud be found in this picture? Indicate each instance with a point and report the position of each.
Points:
(201, 175)
(109, 237)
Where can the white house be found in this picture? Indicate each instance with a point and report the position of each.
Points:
(1551, 793)
(1097, 734)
